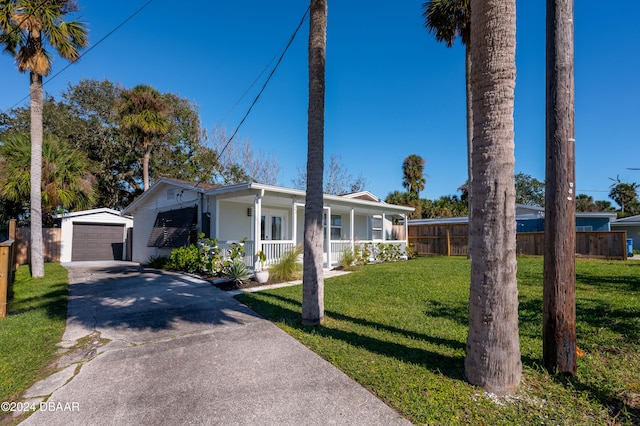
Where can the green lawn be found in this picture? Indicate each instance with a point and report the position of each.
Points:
(33, 326)
(400, 330)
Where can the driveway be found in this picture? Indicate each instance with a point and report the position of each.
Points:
(151, 347)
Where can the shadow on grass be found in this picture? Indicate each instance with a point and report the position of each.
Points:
(449, 366)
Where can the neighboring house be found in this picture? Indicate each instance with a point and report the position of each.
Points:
(270, 218)
(531, 219)
(98, 234)
(630, 224)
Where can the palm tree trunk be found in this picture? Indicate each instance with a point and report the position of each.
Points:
(493, 348)
(313, 278)
(469, 105)
(145, 165)
(559, 312)
(37, 254)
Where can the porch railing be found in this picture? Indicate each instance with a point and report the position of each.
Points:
(338, 246)
(249, 251)
(275, 249)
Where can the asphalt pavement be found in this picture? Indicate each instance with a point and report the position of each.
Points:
(151, 347)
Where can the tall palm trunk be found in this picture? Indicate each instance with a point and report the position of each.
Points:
(145, 164)
(559, 312)
(37, 253)
(313, 278)
(493, 349)
(469, 106)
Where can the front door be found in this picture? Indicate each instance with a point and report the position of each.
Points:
(272, 225)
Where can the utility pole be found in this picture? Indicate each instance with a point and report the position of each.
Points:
(559, 312)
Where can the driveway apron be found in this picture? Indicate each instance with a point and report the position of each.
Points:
(151, 347)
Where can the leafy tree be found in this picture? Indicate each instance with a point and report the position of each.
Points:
(403, 199)
(66, 181)
(529, 190)
(625, 195)
(182, 153)
(313, 279)
(143, 112)
(337, 179)
(29, 26)
(493, 346)
(413, 175)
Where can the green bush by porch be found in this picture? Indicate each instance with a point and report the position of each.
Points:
(400, 330)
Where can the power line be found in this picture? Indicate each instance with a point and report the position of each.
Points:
(90, 48)
(304, 16)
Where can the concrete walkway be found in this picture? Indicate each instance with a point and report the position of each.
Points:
(150, 347)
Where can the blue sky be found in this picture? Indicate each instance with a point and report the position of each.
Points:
(392, 90)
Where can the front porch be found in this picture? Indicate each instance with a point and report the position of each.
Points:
(273, 222)
(274, 250)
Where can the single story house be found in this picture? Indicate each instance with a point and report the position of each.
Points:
(531, 219)
(630, 224)
(97, 234)
(269, 218)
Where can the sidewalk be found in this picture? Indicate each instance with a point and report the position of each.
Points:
(152, 347)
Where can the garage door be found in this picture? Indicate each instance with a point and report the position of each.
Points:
(92, 241)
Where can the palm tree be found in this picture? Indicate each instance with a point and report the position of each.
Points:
(66, 181)
(447, 20)
(493, 349)
(28, 26)
(313, 278)
(413, 175)
(143, 112)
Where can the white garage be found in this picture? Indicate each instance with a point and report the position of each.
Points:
(98, 234)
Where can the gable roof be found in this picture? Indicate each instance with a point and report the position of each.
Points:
(90, 212)
(629, 220)
(362, 195)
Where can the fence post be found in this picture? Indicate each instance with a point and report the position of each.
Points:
(6, 274)
(12, 229)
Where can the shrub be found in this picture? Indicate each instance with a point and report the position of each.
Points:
(210, 255)
(237, 270)
(185, 259)
(287, 268)
(158, 262)
(347, 258)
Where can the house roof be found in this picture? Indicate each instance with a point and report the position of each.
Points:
(629, 220)
(251, 188)
(523, 212)
(362, 195)
(90, 212)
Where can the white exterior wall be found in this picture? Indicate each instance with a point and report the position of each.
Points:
(97, 217)
(234, 223)
(145, 217)
(361, 227)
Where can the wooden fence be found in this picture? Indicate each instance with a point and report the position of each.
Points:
(7, 269)
(51, 238)
(441, 240)
(452, 240)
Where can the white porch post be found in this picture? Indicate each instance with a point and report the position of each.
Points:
(327, 230)
(257, 214)
(294, 222)
(384, 233)
(352, 232)
(217, 225)
(406, 229)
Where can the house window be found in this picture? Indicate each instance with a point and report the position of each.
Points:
(584, 228)
(336, 227)
(376, 227)
(174, 228)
